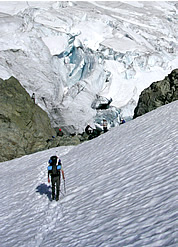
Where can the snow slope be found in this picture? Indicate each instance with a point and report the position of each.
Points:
(121, 190)
(70, 52)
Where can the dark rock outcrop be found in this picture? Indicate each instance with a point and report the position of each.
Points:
(24, 126)
(65, 140)
(157, 94)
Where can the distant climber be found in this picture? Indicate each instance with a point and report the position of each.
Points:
(122, 121)
(50, 139)
(60, 133)
(105, 125)
(95, 133)
(88, 129)
(33, 97)
(54, 170)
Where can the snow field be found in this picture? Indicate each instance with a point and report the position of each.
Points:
(121, 190)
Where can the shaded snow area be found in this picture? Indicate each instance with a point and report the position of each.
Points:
(121, 190)
(69, 53)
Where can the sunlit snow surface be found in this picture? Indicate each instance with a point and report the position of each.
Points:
(69, 52)
(121, 190)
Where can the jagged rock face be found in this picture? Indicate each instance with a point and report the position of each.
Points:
(158, 94)
(24, 126)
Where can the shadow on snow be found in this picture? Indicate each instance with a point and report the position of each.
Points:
(44, 189)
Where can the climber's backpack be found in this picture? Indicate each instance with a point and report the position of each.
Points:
(54, 168)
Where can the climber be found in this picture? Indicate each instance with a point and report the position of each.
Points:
(54, 170)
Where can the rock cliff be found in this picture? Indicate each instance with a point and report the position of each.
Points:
(24, 126)
(157, 94)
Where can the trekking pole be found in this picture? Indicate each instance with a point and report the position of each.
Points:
(62, 193)
(64, 187)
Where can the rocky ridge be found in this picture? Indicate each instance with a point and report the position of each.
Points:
(24, 126)
(157, 94)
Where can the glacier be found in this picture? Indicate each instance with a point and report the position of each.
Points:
(73, 53)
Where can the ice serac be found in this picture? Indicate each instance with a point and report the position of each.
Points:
(70, 53)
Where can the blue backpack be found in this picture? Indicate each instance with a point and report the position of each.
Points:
(54, 168)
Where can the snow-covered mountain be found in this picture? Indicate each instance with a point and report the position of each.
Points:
(121, 190)
(69, 53)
